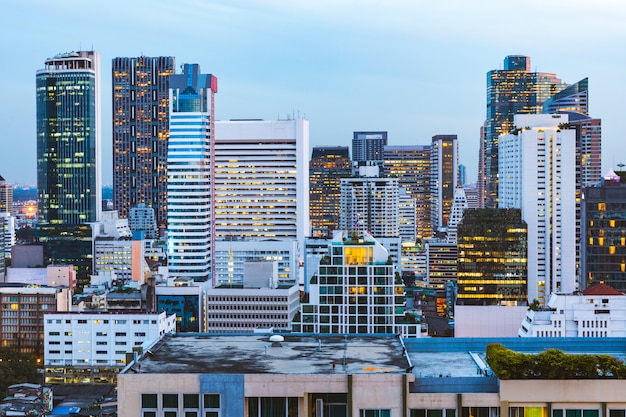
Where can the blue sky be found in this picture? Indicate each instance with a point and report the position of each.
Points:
(414, 68)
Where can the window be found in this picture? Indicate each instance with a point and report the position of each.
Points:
(374, 413)
(422, 412)
(272, 407)
(148, 401)
(211, 401)
(170, 400)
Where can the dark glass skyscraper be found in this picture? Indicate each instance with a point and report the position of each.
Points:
(141, 133)
(327, 166)
(492, 257)
(510, 91)
(69, 185)
(604, 232)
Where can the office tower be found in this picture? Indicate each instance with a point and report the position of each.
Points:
(572, 99)
(69, 184)
(368, 147)
(492, 259)
(538, 174)
(604, 233)
(143, 219)
(444, 156)
(141, 133)
(411, 166)
(459, 205)
(441, 263)
(6, 197)
(462, 174)
(510, 91)
(261, 179)
(355, 290)
(406, 216)
(327, 166)
(190, 174)
(482, 179)
(369, 204)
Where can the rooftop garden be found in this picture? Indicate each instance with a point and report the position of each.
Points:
(552, 364)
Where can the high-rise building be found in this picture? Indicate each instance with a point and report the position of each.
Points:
(6, 197)
(190, 174)
(141, 133)
(492, 259)
(459, 205)
(510, 91)
(604, 233)
(572, 99)
(538, 174)
(327, 166)
(411, 166)
(368, 147)
(261, 179)
(406, 216)
(69, 184)
(142, 219)
(370, 204)
(444, 157)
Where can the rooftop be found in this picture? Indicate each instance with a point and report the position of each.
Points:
(255, 354)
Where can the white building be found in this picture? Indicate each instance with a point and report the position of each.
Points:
(537, 173)
(51, 275)
(259, 302)
(262, 179)
(356, 291)
(231, 256)
(459, 205)
(369, 204)
(406, 216)
(599, 311)
(91, 347)
(190, 187)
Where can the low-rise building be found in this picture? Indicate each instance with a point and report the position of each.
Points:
(598, 311)
(93, 347)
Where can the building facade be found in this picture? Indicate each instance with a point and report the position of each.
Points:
(356, 291)
(93, 347)
(142, 219)
(492, 258)
(262, 184)
(327, 166)
(411, 166)
(141, 133)
(370, 204)
(510, 91)
(190, 174)
(69, 183)
(538, 175)
(444, 174)
(368, 147)
(604, 233)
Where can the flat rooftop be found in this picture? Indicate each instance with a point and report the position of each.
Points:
(255, 354)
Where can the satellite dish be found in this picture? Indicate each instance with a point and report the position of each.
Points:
(276, 338)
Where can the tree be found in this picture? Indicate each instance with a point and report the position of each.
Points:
(16, 368)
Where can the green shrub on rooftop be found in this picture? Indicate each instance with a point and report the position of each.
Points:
(552, 364)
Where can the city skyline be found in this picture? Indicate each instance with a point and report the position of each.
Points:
(413, 70)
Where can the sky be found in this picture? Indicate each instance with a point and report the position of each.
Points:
(413, 68)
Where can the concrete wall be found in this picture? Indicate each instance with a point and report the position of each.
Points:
(488, 321)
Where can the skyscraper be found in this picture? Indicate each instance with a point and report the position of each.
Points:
(190, 174)
(327, 166)
(69, 185)
(368, 146)
(262, 179)
(6, 197)
(411, 166)
(510, 91)
(538, 174)
(444, 157)
(141, 133)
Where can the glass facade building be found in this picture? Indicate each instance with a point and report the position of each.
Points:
(190, 174)
(510, 91)
(69, 185)
(141, 133)
(368, 147)
(604, 233)
(492, 257)
(444, 175)
(327, 166)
